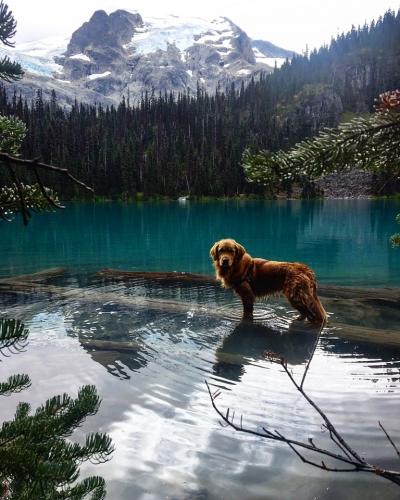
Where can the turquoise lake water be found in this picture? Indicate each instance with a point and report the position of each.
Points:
(149, 346)
(345, 241)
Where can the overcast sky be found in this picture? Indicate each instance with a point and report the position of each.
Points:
(291, 24)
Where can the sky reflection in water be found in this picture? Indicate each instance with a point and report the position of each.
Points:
(150, 365)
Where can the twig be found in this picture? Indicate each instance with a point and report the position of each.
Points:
(276, 437)
(328, 423)
(346, 455)
(389, 439)
(44, 192)
(32, 164)
(312, 354)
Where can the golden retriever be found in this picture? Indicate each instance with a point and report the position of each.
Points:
(251, 278)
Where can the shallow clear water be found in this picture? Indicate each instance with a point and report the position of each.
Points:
(149, 347)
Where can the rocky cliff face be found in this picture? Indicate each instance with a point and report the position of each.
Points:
(123, 54)
(315, 107)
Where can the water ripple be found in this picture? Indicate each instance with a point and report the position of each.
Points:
(156, 345)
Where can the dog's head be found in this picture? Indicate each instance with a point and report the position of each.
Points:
(225, 253)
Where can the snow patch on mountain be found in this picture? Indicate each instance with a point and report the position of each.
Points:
(46, 48)
(183, 32)
(81, 57)
(37, 65)
(269, 61)
(95, 76)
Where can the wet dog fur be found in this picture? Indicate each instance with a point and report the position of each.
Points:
(253, 277)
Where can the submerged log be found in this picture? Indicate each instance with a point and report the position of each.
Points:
(377, 296)
(326, 291)
(39, 276)
(369, 301)
(160, 277)
(87, 295)
(95, 296)
(350, 292)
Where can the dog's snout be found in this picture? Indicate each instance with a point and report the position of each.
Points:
(225, 261)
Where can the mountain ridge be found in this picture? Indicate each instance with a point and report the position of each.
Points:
(121, 53)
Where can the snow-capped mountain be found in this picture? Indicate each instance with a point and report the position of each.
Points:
(123, 54)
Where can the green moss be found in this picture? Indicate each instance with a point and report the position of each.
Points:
(347, 116)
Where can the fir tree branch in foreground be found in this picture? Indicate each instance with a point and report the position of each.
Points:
(370, 143)
(36, 459)
(13, 334)
(10, 71)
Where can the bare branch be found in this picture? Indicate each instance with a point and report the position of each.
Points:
(270, 435)
(32, 164)
(312, 355)
(390, 439)
(328, 423)
(44, 192)
(346, 455)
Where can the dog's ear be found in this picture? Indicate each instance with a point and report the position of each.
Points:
(240, 251)
(214, 251)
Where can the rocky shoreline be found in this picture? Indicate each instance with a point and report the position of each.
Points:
(351, 184)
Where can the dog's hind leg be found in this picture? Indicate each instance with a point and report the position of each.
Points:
(317, 310)
(302, 296)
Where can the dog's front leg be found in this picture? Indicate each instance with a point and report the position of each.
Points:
(246, 294)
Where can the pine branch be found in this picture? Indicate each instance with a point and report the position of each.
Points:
(8, 25)
(12, 333)
(371, 143)
(10, 71)
(15, 383)
(38, 458)
(93, 485)
(28, 197)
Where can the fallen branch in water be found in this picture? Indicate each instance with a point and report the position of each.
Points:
(349, 459)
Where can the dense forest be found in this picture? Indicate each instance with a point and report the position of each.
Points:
(193, 144)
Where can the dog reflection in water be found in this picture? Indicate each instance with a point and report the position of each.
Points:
(253, 277)
(249, 341)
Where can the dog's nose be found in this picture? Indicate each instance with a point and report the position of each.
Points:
(225, 260)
